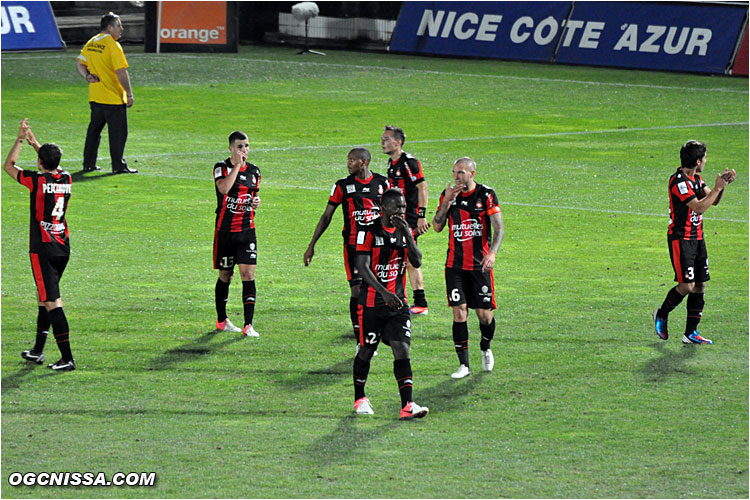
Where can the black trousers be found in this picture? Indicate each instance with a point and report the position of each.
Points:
(115, 116)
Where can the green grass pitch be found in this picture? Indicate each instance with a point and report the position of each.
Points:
(584, 400)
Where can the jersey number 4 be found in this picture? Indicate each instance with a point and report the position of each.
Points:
(59, 210)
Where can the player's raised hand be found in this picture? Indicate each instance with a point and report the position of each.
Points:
(400, 223)
(23, 129)
(451, 192)
(721, 182)
(729, 175)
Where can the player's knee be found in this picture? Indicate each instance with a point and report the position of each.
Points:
(685, 288)
(400, 349)
(226, 275)
(485, 316)
(699, 288)
(460, 314)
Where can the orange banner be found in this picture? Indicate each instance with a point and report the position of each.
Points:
(193, 23)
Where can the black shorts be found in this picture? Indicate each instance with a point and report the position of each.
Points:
(47, 273)
(382, 323)
(235, 248)
(473, 288)
(350, 263)
(689, 260)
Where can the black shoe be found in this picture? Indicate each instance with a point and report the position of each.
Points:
(95, 168)
(126, 170)
(32, 356)
(63, 366)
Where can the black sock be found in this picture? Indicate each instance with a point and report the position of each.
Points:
(354, 315)
(42, 329)
(402, 372)
(248, 300)
(488, 331)
(461, 341)
(673, 300)
(419, 299)
(60, 330)
(361, 369)
(221, 294)
(694, 312)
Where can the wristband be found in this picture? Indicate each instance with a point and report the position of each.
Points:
(422, 212)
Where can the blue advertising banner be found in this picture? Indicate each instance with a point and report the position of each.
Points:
(650, 35)
(507, 30)
(696, 37)
(29, 26)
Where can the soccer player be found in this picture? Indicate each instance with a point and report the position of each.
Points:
(49, 243)
(237, 184)
(382, 250)
(689, 198)
(471, 212)
(359, 194)
(405, 174)
(102, 63)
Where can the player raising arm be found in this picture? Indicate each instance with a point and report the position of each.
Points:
(382, 250)
(471, 212)
(49, 242)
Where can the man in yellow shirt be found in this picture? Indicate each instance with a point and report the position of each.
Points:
(102, 63)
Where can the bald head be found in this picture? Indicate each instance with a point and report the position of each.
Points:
(466, 163)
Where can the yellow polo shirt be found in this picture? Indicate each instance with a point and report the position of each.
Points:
(103, 55)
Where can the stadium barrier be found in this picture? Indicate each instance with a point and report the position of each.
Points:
(693, 37)
(29, 26)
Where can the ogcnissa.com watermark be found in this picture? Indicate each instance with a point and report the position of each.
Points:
(82, 479)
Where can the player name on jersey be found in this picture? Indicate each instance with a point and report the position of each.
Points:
(56, 188)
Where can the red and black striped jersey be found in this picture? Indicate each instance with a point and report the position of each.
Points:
(234, 212)
(387, 250)
(470, 228)
(360, 200)
(50, 193)
(684, 224)
(404, 175)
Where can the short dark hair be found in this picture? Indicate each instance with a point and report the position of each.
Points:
(390, 194)
(398, 133)
(237, 136)
(691, 152)
(108, 19)
(50, 155)
(362, 154)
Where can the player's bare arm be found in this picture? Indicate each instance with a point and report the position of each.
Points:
(498, 231)
(225, 184)
(10, 161)
(323, 224)
(390, 298)
(412, 251)
(700, 206)
(422, 223)
(124, 77)
(451, 192)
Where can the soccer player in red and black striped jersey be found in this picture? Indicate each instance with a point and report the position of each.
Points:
(382, 250)
(689, 198)
(471, 212)
(237, 183)
(359, 196)
(49, 241)
(405, 174)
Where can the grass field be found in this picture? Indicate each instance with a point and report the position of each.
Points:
(584, 400)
